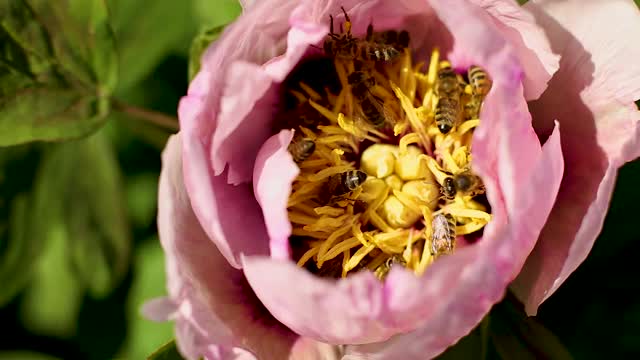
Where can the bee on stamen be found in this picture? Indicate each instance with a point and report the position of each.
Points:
(480, 85)
(449, 89)
(301, 148)
(444, 234)
(465, 183)
(344, 183)
(383, 270)
(373, 108)
(393, 38)
(479, 80)
(345, 46)
(447, 113)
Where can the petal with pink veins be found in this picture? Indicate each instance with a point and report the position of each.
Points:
(592, 97)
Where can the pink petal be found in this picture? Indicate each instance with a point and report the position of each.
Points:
(216, 310)
(211, 196)
(592, 96)
(255, 37)
(249, 103)
(529, 41)
(273, 174)
(457, 291)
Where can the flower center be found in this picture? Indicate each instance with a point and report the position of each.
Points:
(385, 158)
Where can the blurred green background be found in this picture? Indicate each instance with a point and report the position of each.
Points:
(79, 251)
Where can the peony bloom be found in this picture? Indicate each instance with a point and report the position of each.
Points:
(252, 246)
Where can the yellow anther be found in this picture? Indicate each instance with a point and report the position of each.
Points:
(372, 189)
(345, 245)
(328, 210)
(470, 213)
(355, 229)
(397, 214)
(460, 156)
(468, 125)
(394, 182)
(325, 173)
(469, 228)
(412, 116)
(358, 256)
(331, 116)
(346, 257)
(312, 93)
(449, 163)
(411, 166)
(307, 255)
(411, 138)
(424, 193)
(379, 160)
(313, 234)
(435, 169)
(332, 240)
(379, 222)
(326, 223)
(433, 66)
(298, 95)
(400, 127)
(298, 218)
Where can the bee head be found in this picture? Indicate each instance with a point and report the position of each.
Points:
(361, 176)
(444, 128)
(449, 186)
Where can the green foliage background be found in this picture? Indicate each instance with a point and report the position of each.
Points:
(79, 251)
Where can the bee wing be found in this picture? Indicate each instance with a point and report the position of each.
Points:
(382, 107)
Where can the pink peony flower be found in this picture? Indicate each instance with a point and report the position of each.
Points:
(234, 290)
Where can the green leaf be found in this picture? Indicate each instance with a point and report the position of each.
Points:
(80, 185)
(58, 66)
(517, 336)
(147, 31)
(51, 303)
(168, 351)
(199, 45)
(149, 281)
(18, 251)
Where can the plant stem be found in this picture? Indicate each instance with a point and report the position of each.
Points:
(153, 117)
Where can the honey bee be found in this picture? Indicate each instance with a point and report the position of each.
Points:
(374, 109)
(480, 85)
(465, 182)
(301, 148)
(343, 183)
(383, 270)
(444, 234)
(447, 83)
(346, 47)
(448, 188)
(399, 40)
(447, 113)
(479, 80)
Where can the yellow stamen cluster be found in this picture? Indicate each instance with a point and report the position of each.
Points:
(389, 217)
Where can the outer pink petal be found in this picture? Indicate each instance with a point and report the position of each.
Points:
(592, 96)
(255, 37)
(216, 312)
(458, 290)
(249, 103)
(273, 174)
(531, 44)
